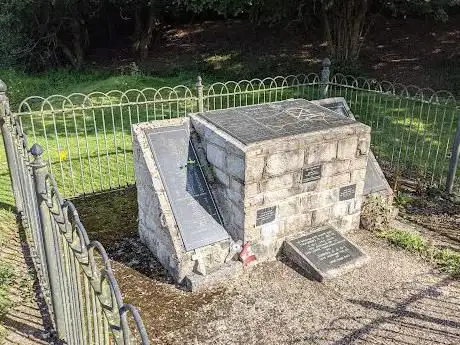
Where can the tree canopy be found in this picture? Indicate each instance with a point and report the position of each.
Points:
(39, 34)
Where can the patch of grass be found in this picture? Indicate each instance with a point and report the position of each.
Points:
(6, 279)
(7, 272)
(402, 199)
(109, 217)
(62, 81)
(409, 240)
(447, 260)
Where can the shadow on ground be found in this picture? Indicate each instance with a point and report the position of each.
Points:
(395, 299)
(28, 320)
(414, 313)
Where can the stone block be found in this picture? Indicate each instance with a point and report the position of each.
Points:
(210, 137)
(276, 196)
(283, 162)
(363, 146)
(235, 166)
(216, 156)
(347, 148)
(269, 232)
(355, 206)
(336, 167)
(322, 152)
(289, 208)
(251, 189)
(359, 163)
(349, 222)
(358, 175)
(237, 216)
(276, 183)
(254, 169)
(321, 216)
(339, 180)
(235, 196)
(236, 186)
(319, 200)
(222, 177)
(297, 223)
(196, 282)
(340, 209)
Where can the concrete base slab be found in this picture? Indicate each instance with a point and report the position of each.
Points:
(228, 271)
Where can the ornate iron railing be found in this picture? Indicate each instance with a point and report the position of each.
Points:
(74, 272)
(87, 138)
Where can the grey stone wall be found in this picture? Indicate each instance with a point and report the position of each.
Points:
(158, 229)
(225, 155)
(269, 174)
(274, 178)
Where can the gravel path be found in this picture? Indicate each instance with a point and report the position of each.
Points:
(396, 299)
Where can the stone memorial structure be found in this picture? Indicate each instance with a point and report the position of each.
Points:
(376, 182)
(261, 174)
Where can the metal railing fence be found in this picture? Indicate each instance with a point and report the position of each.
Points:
(74, 272)
(87, 138)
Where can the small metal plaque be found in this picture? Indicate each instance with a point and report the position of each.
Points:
(311, 174)
(324, 253)
(347, 192)
(274, 120)
(265, 215)
(191, 201)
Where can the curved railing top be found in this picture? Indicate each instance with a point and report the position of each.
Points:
(442, 97)
(136, 97)
(97, 99)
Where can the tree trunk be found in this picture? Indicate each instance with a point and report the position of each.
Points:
(78, 44)
(75, 53)
(144, 29)
(343, 23)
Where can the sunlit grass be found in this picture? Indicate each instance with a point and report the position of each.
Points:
(88, 146)
(446, 259)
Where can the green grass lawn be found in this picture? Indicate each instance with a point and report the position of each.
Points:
(87, 140)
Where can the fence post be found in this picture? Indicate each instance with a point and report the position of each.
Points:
(325, 73)
(453, 164)
(7, 130)
(51, 251)
(199, 89)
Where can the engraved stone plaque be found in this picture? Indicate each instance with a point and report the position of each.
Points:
(265, 215)
(311, 174)
(191, 201)
(274, 120)
(347, 192)
(324, 253)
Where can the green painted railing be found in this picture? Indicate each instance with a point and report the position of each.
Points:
(74, 272)
(87, 138)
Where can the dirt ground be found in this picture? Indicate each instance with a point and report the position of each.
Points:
(27, 321)
(396, 299)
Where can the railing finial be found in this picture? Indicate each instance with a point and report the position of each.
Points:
(199, 90)
(36, 150)
(3, 87)
(325, 73)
